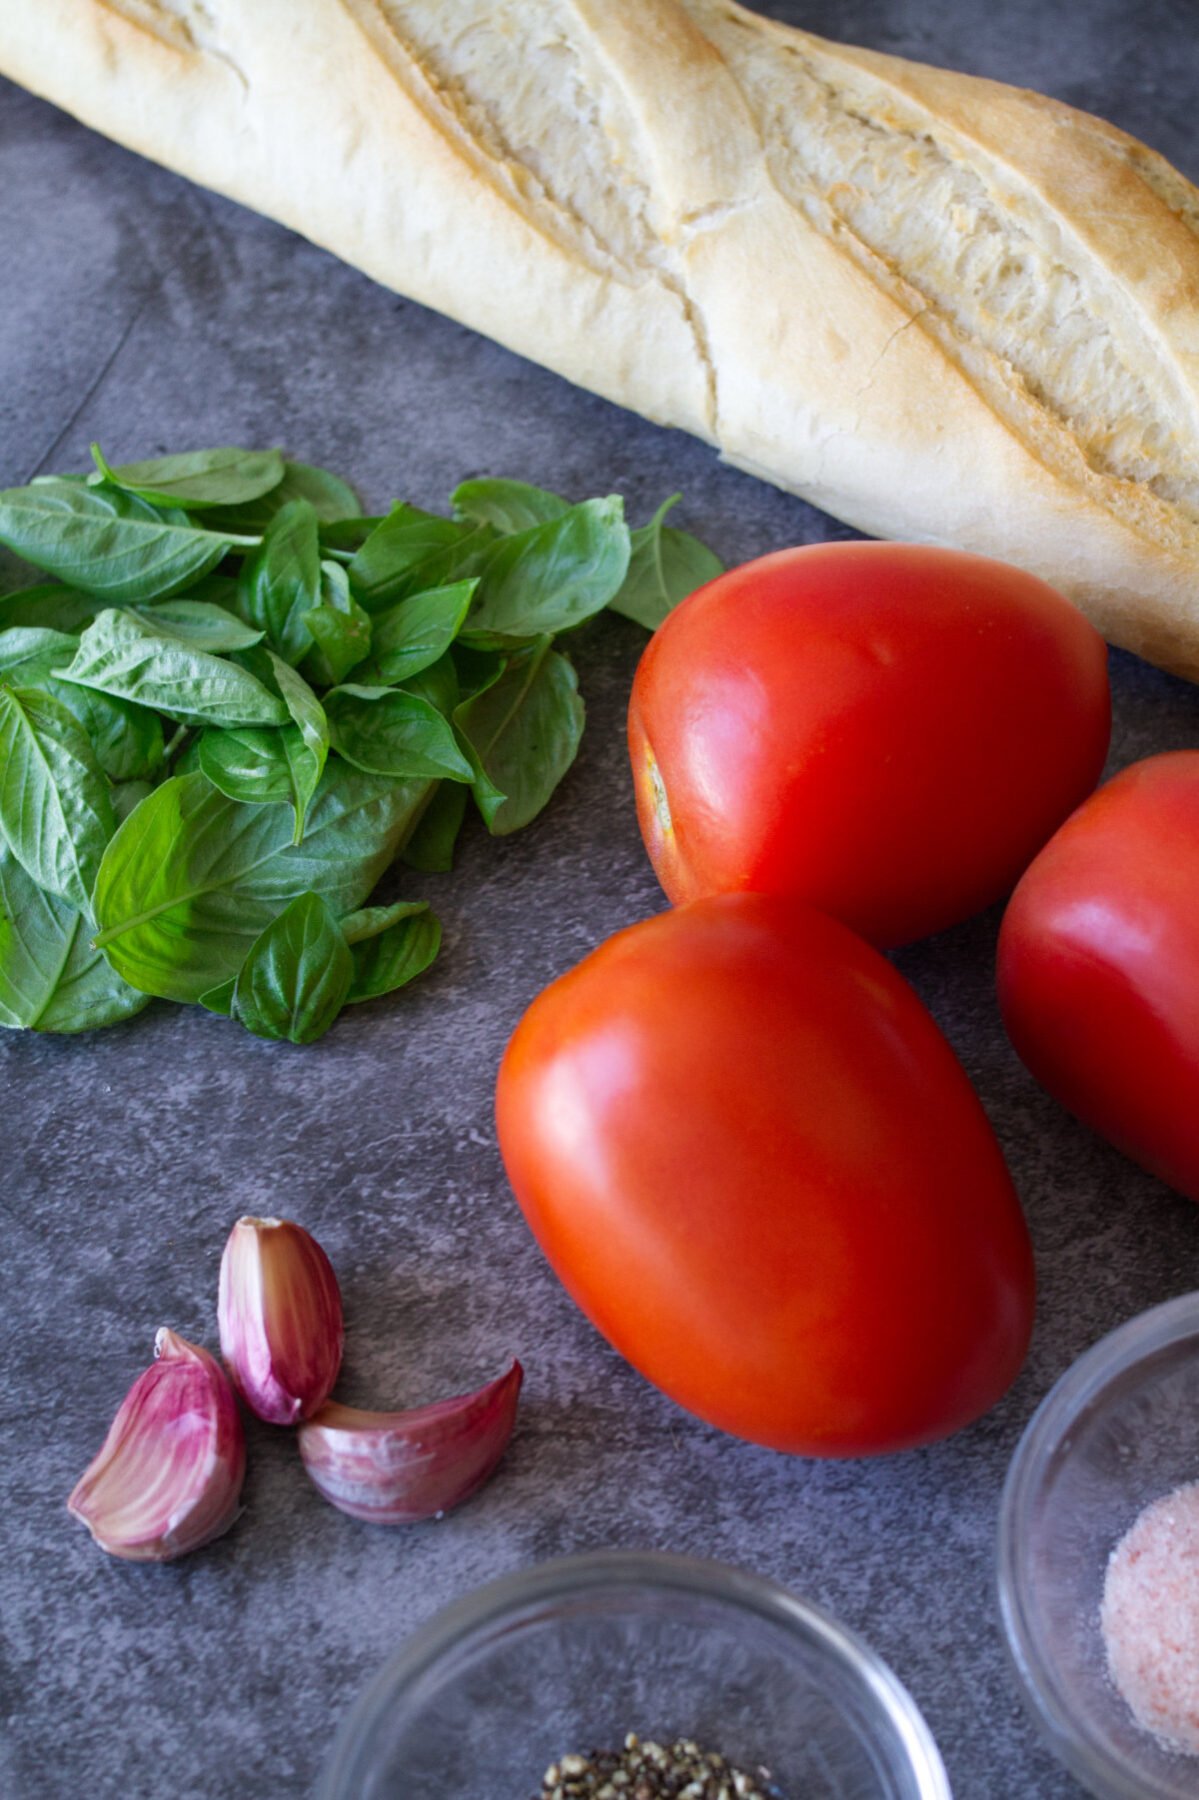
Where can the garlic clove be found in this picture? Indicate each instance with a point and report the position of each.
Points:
(279, 1315)
(395, 1468)
(168, 1476)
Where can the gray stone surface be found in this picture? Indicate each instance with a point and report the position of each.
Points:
(149, 314)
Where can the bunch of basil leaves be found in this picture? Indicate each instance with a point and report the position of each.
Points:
(237, 701)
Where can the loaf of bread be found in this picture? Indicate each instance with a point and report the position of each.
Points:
(936, 307)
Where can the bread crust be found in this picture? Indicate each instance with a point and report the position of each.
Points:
(938, 308)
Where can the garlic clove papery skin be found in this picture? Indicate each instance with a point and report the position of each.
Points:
(168, 1476)
(280, 1319)
(397, 1468)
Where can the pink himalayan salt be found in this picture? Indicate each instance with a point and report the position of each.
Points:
(1150, 1618)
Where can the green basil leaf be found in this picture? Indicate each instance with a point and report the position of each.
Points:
(308, 713)
(331, 498)
(508, 505)
(249, 764)
(220, 998)
(198, 478)
(127, 738)
(414, 634)
(438, 684)
(390, 946)
(51, 979)
(216, 590)
(306, 768)
(477, 669)
(339, 628)
(551, 577)
(281, 580)
(126, 795)
(389, 732)
(307, 758)
(55, 813)
(346, 536)
(431, 846)
(51, 605)
(122, 654)
(666, 565)
(16, 576)
(29, 655)
(296, 976)
(408, 554)
(523, 733)
(192, 877)
(200, 623)
(106, 541)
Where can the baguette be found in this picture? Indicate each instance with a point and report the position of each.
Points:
(939, 308)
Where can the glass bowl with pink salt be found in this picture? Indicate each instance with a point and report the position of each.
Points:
(1099, 1560)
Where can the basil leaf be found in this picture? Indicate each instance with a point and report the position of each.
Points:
(508, 505)
(30, 655)
(198, 478)
(126, 795)
(127, 738)
(306, 711)
(388, 732)
(666, 565)
(106, 541)
(249, 764)
(431, 846)
(215, 590)
(281, 580)
(51, 979)
(345, 536)
(220, 999)
(55, 813)
(200, 623)
(438, 684)
(15, 575)
(409, 637)
(51, 605)
(551, 577)
(477, 669)
(523, 733)
(192, 878)
(330, 497)
(297, 975)
(408, 554)
(390, 946)
(307, 759)
(339, 628)
(121, 654)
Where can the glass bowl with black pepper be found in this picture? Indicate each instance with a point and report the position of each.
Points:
(627, 1676)
(1098, 1562)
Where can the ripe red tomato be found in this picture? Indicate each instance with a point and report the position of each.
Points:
(887, 731)
(759, 1169)
(1099, 965)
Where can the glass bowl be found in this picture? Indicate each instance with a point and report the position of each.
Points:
(573, 1654)
(1121, 1428)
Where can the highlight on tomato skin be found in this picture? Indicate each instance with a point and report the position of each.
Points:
(888, 731)
(756, 1165)
(1098, 965)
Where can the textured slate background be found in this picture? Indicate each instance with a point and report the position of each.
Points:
(145, 312)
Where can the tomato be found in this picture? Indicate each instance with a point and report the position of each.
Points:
(757, 1166)
(1099, 965)
(886, 731)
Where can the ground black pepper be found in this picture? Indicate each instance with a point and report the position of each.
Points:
(650, 1771)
